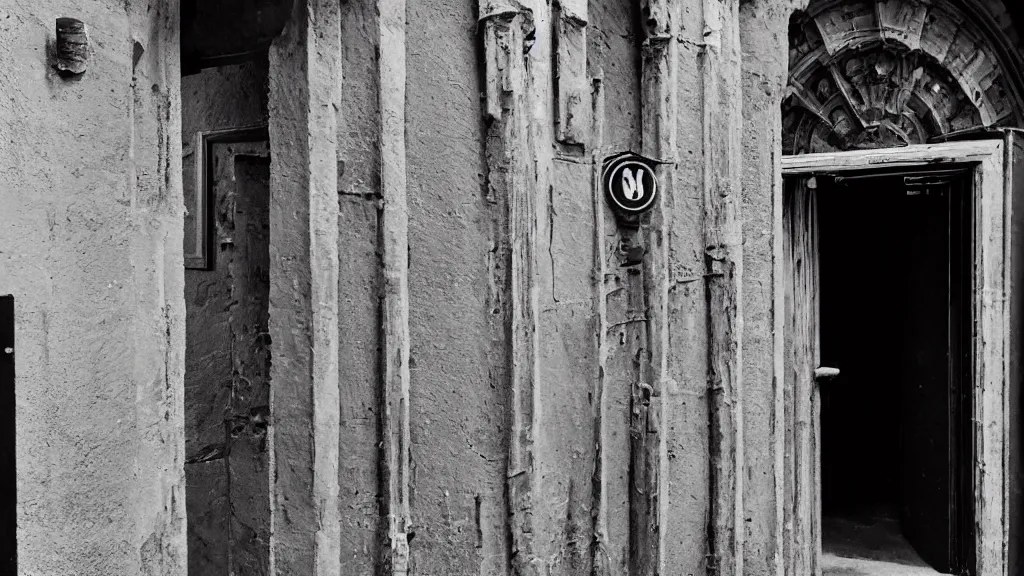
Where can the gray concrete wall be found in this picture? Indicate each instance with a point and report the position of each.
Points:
(90, 237)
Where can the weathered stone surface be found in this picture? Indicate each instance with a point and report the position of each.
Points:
(304, 102)
(459, 397)
(90, 239)
(208, 514)
(359, 279)
(222, 327)
(462, 334)
(764, 70)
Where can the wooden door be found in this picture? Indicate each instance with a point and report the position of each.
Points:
(989, 454)
(933, 396)
(802, 537)
(8, 479)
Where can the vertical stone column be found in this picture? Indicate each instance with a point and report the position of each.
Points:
(764, 44)
(692, 125)
(305, 93)
(723, 255)
(507, 26)
(650, 501)
(155, 236)
(395, 252)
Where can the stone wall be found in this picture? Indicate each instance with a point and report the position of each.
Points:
(477, 368)
(497, 332)
(90, 239)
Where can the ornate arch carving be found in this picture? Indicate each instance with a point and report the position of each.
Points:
(885, 73)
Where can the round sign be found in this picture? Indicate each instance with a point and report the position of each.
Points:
(631, 184)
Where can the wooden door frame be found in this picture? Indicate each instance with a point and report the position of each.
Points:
(991, 269)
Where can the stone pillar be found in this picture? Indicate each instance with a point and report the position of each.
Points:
(764, 41)
(305, 97)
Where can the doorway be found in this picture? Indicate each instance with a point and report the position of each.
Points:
(228, 356)
(894, 271)
(980, 448)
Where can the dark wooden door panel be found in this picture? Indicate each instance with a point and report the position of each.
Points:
(925, 422)
(933, 394)
(8, 495)
(1015, 472)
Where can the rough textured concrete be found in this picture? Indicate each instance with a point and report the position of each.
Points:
(359, 281)
(90, 244)
(304, 104)
(458, 397)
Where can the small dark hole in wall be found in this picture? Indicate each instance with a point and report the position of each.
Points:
(8, 496)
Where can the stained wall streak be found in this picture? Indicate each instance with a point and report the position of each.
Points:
(158, 319)
(508, 29)
(648, 289)
(723, 255)
(360, 278)
(601, 552)
(621, 307)
(304, 395)
(395, 252)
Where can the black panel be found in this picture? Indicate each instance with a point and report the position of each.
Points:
(1015, 451)
(933, 397)
(223, 32)
(8, 497)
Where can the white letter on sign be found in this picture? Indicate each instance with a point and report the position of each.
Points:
(632, 188)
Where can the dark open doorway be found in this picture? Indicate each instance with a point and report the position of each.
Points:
(896, 461)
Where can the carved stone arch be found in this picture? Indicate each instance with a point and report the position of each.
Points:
(886, 73)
